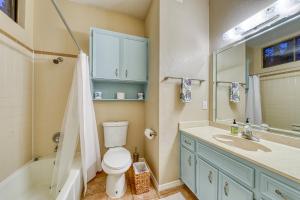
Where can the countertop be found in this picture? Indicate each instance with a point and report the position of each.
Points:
(278, 158)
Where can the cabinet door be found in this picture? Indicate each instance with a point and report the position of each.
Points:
(106, 56)
(134, 65)
(231, 190)
(188, 168)
(206, 181)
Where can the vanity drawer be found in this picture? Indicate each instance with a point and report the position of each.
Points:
(275, 190)
(188, 142)
(236, 169)
(231, 190)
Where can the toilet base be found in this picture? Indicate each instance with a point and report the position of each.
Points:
(116, 185)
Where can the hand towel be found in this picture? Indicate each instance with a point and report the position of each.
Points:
(186, 90)
(235, 92)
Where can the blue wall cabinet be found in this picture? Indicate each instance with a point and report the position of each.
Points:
(188, 169)
(106, 56)
(118, 63)
(206, 181)
(134, 65)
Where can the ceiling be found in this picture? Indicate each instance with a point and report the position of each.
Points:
(135, 8)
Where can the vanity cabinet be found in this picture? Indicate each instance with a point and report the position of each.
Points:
(188, 170)
(231, 190)
(214, 174)
(206, 180)
(118, 64)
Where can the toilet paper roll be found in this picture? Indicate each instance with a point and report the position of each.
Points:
(149, 133)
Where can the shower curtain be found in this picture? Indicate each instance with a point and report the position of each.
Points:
(79, 122)
(253, 104)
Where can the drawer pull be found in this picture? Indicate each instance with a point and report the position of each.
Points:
(126, 73)
(210, 177)
(278, 192)
(226, 189)
(190, 160)
(116, 72)
(187, 142)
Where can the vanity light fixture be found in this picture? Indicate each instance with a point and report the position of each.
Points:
(274, 13)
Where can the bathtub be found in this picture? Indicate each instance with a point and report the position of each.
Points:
(32, 182)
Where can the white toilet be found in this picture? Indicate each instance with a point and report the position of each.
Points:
(117, 160)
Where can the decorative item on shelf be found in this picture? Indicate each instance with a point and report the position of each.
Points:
(98, 95)
(140, 96)
(121, 95)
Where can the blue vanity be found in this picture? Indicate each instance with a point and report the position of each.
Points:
(212, 167)
(118, 64)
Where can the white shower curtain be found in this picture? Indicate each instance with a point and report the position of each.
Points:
(253, 104)
(79, 120)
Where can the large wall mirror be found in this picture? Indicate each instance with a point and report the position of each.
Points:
(259, 80)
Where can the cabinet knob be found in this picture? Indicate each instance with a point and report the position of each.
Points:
(190, 160)
(226, 189)
(210, 177)
(278, 192)
(187, 142)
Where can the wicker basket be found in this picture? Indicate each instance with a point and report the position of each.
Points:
(141, 177)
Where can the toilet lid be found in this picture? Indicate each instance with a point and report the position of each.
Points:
(117, 158)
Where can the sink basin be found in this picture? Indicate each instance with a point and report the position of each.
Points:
(241, 143)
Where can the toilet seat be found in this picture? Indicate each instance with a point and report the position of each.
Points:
(117, 158)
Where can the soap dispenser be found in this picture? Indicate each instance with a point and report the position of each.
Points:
(234, 128)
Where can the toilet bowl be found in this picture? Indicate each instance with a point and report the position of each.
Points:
(116, 162)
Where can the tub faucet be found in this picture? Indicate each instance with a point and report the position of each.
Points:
(55, 139)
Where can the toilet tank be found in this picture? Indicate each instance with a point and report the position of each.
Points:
(115, 133)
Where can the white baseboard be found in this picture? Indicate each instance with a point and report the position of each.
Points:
(169, 185)
(161, 187)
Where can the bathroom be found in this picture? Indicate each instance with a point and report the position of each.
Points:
(190, 146)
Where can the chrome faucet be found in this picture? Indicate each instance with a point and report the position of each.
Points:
(247, 132)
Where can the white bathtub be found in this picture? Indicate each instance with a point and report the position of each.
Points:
(32, 182)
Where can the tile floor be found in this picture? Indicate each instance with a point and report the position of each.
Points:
(96, 190)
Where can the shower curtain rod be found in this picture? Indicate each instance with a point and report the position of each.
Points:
(66, 24)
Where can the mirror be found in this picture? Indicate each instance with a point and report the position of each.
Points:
(259, 79)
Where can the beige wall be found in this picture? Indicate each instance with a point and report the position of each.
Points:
(184, 52)
(52, 82)
(152, 103)
(16, 79)
(51, 34)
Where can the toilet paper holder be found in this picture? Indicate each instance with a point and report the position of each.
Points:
(154, 133)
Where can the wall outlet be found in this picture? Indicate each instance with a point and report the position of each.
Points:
(204, 105)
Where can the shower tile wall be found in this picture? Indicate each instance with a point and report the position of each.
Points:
(281, 100)
(16, 70)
